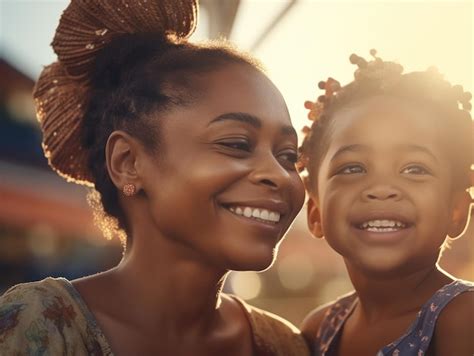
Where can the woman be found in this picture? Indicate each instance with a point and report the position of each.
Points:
(192, 154)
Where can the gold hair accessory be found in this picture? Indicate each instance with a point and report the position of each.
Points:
(62, 91)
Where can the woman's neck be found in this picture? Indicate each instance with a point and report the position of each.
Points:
(170, 288)
(155, 288)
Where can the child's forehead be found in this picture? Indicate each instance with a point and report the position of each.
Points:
(386, 111)
(385, 121)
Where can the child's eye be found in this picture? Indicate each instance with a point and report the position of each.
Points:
(415, 169)
(351, 169)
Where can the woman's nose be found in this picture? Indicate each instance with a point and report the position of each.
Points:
(268, 171)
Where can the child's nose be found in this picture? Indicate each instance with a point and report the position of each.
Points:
(381, 192)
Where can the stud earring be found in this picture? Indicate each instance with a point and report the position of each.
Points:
(129, 189)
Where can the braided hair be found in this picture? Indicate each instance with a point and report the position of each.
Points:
(427, 89)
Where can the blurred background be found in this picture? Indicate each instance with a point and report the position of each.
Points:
(46, 226)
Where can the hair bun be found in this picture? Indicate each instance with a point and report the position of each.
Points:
(59, 109)
(87, 26)
(62, 91)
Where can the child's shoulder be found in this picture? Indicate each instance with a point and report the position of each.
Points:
(312, 322)
(455, 323)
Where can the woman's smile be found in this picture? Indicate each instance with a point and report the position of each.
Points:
(268, 213)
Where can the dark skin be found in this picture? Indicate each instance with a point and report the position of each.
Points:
(386, 160)
(164, 298)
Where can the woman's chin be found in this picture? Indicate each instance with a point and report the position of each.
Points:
(254, 261)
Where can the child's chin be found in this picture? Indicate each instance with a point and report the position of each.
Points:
(385, 267)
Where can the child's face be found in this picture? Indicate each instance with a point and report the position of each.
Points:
(384, 197)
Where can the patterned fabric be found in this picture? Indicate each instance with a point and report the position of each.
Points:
(49, 317)
(414, 342)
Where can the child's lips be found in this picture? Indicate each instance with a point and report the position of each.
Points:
(383, 226)
(383, 235)
(382, 219)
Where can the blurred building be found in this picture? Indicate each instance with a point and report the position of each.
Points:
(46, 226)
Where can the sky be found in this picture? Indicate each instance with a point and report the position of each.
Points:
(313, 42)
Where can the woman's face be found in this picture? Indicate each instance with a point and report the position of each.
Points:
(225, 189)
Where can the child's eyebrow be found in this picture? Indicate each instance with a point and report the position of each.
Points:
(349, 148)
(404, 147)
(423, 149)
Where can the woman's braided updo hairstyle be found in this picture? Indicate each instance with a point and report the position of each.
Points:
(427, 89)
(119, 62)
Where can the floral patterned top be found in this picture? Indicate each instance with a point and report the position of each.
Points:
(414, 342)
(49, 317)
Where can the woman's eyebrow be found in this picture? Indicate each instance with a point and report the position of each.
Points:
(251, 120)
(238, 116)
(289, 131)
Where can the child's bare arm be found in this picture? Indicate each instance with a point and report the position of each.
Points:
(454, 332)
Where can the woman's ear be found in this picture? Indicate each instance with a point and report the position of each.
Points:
(314, 217)
(121, 155)
(460, 214)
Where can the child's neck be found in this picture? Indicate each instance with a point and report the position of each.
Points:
(387, 298)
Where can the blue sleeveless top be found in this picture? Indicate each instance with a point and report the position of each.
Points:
(414, 342)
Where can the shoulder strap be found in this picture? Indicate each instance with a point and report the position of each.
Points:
(419, 335)
(334, 318)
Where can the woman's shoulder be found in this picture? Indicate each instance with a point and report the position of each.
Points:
(42, 317)
(273, 333)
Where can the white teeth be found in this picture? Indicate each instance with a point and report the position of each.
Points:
(255, 213)
(274, 216)
(247, 212)
(383, 229)
(382, 225)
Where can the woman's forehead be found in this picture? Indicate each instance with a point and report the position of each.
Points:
(240, 89)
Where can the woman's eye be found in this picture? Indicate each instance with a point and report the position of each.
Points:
(288, 159)
(241, 145)
(415, 169)
(291, 157)
(351, 169)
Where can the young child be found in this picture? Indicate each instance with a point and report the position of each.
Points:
(388, 161)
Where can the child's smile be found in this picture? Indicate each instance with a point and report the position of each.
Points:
(384, 192)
